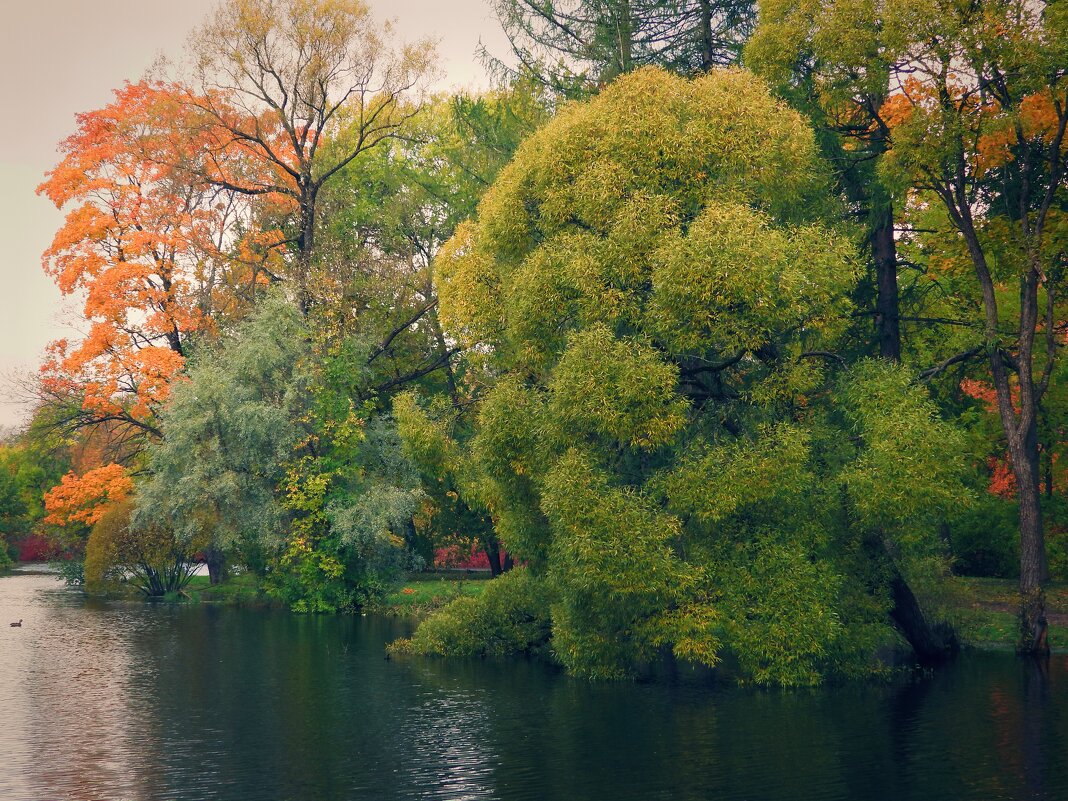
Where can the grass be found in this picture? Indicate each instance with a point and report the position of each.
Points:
(418, 595)
(421, 594)
(240, 590)
(984, 612)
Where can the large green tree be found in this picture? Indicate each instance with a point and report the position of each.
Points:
(652, 302)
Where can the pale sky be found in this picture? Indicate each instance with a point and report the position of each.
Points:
(60, 57)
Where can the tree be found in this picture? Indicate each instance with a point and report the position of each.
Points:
(149, 248)
(652, 299)
(574, 46)
(978, 127)
(148, 556)
(830, 61)
(279, 82)
(266, 458)
(386, 218)
(229, 431)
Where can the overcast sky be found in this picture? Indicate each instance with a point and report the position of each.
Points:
(59, 57)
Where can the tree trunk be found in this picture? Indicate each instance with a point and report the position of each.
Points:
(493, 553)
(215, 559)
(708, 46)
(305, 247)
(884, 256)
(932, 645)
(1034, 568)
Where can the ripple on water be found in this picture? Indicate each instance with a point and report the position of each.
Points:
(153, 702)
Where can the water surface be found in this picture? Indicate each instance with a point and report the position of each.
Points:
(153, 702)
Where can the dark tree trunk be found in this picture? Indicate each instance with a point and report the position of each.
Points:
(1034, 568)
(215, 559)
(884, 256)
(508, 563)
(708, 45)
(932, 645)
(493, 553)
(305, 247)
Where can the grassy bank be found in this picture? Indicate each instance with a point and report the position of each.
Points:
(418, 595)
(984, 612)
(421, 594)
(240, 590)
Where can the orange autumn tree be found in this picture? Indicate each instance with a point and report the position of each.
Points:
(86, 498)
(148, 246)
(978, 123)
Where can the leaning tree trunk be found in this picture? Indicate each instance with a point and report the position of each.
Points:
(931, 645)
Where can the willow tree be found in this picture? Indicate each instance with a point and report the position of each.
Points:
(651, 299)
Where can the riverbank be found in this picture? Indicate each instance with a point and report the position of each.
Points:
(417, 596)
(983, 610)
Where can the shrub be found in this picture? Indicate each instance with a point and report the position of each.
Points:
(985, 541)
(148, 557)
(510, 617)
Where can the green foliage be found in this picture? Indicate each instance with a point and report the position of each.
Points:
(228, 432)
(72, 571)
(267, 456)
(510, 616)
(911, 463)
(30, 464)
(649, 296)
(612, 567)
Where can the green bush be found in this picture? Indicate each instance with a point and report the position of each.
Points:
(510, 617)
(148, 557)
(72, 571)
(985, 539)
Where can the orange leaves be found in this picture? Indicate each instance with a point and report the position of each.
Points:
(933, 112)
(1002, 480)
(1038, 121)
(85, 498)
(143, 241)
(897, 109)
(981, 391)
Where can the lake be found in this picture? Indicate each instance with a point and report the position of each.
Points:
(110, 701)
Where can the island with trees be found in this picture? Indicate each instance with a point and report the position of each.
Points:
(716, 333)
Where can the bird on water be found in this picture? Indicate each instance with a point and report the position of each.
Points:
(17, 625)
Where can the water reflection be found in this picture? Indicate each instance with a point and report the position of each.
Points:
(152, 702)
